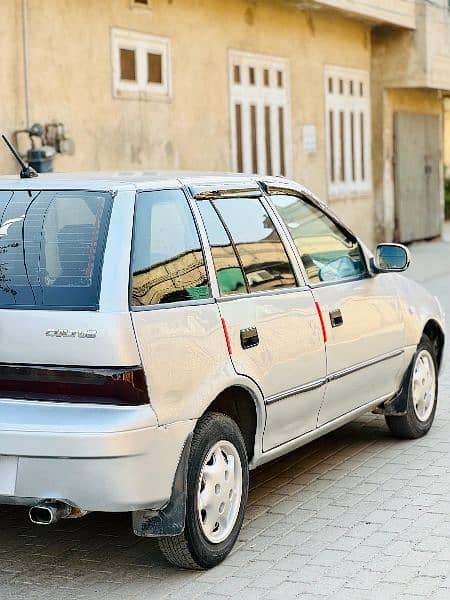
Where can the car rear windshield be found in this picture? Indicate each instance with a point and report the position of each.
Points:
(51, 248)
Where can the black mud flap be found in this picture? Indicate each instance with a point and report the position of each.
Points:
(169, 520)
(397, 405)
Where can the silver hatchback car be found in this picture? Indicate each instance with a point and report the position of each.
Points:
(165, 333)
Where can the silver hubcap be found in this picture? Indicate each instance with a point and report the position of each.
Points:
(219, 491)
(423, 385)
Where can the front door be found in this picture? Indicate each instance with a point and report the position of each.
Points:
(364, 353)
(361, 313)
(274, 329)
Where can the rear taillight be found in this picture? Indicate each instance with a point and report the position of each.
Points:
(112, 385)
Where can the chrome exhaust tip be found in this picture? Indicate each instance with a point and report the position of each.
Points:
(49, 512)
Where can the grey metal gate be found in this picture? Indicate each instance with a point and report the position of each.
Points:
(417, 176)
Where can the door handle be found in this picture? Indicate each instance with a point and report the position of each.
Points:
(336, 318)
(249, 337)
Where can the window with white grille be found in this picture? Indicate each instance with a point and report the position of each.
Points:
(141, 64)
(347, 105)
(260, 114)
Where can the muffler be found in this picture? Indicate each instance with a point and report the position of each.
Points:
(49, 512)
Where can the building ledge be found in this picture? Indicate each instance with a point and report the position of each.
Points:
(398, 13)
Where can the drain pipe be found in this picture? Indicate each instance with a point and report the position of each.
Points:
(25, 62)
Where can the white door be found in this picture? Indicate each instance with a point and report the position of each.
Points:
(364, 349)
(361, 312)
(273, 325)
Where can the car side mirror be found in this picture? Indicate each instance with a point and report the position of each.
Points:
(391, 258)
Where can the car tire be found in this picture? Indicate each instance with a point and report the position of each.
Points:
(422, 395)
(217, 490)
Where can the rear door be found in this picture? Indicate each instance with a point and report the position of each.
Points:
(270, 315)
(361, 312)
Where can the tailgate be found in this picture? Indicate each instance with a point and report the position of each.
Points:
(75, 338)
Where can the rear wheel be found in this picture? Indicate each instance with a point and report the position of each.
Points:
(422, 395)
(217, 489)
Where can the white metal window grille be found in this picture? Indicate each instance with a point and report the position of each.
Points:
(347, 118)
(141, 63)
(260, 114)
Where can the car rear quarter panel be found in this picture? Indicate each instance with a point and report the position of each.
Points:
(186, 361)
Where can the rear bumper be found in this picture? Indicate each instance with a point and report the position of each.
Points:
(103, 458)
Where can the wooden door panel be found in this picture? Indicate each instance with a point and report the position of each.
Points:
(417, 176)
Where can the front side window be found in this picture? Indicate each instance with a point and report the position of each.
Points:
(327, 251)
(259, 104)
(260, 250)
(51, 248)
(167, 263)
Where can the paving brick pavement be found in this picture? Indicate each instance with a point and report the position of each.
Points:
(356, 515)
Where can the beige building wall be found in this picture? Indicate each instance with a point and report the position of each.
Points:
(71, 81)
(11, 77)
(396, 76)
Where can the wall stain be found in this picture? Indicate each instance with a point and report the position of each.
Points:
(169, 150)
(366, 40)
(310, 24)
(249, 16)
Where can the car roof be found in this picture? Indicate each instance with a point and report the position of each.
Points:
(117, 180)
(150, 180)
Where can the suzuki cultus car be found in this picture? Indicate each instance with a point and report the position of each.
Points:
(165, 333)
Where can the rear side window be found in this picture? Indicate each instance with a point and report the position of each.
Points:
(51, 248)
(259, 247)
(230, 276)
(167, 263)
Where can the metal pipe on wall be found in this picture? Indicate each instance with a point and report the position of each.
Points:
(26, 62)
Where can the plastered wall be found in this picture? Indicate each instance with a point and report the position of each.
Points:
(71, 81)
